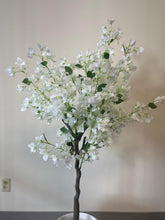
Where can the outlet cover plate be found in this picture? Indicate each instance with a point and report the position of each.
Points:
(6, 185)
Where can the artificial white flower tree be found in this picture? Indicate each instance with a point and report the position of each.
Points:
(87, 96)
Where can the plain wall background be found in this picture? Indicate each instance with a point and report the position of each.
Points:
(128, 177)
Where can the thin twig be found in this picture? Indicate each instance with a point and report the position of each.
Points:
(50, 73)
(84, 140)
(42, 93)
(82, 160)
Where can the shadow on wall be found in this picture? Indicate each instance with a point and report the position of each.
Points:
(132, 174)
(141, 146)
(148, 80)
(148, 83)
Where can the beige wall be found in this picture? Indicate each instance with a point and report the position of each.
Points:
(128, 177)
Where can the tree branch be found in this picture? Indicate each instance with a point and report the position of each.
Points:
(68, 126)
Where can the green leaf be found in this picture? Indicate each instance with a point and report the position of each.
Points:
(89, 108)
(112, 40)
(90, 74)
(78, 65)
(106, 55)
(97, 146)
(152, 105)
(103, 101)
(68, 106)
(70, 144)
(119, 95)
(44, 63)
(86, 147)
(81, 77)
(102, 111)
(64, 130)
(68, 70)
(27, 81)
(101, 86)
(119, 101)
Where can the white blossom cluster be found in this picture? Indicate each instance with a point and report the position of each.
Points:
(87, 95)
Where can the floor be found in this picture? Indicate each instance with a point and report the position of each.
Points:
(98, 215)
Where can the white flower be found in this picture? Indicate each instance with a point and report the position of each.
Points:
(79, 56)
(20, 88)
(30, 53)
(39, 46)
(63, 61)
(131, 66)
(111, 21)
(148, 120)
(48, 85)
(46, 52)
(44, 153)
(32, 147)
(49, 120)
(25, 104)
(39, 68)
(54, 158)
(69, 115)
(135, 117)
(140, 50)
(20, 62)
(39, 139)
(61, 69)
(132, 43)
(117, 34)
(102, 123)
(71, 121)
(100, 43)
(59, 133)
(104, 29)
(96, 99)
(93, 156)
(111, 51)
(68, 163)
(9, 71)
(159, 100)
(45, 156)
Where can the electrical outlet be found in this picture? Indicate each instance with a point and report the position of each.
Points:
(6, 185)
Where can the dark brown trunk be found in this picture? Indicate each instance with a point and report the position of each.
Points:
(77, 188)
(77, 184)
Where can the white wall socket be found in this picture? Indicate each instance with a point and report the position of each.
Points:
(6, 185)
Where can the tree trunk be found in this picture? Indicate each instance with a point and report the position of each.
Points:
(77, 186)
